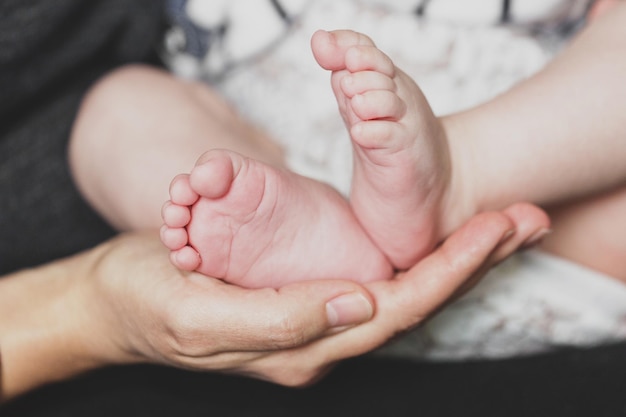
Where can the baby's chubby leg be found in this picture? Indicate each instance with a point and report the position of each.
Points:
(140, 126)
(590, 232)
(253, 225)
(401, 159)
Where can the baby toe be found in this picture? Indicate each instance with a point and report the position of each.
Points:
(186, 258)
(369, 58)
(181, 192)
(378, 104)
(214, 173)
(363, 81)
(173, 238)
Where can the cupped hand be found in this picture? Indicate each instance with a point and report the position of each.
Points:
(151, 312)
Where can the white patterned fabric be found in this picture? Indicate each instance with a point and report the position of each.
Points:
(531, 303)
(211, 37)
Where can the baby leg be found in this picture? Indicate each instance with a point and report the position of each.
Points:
(592, 232)
(137, 128)
(257, 226)
(401, 158)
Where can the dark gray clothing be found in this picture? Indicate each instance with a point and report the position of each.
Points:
(50, 53)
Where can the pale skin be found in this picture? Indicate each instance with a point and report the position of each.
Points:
(417, 177)
(258, 226)
(444, 170)
(232, 217)
(565, 147)
(123, 302)
(134, 130)
(150, 126)
(401, 158)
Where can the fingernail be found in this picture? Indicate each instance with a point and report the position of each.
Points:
(507, 235)
(348, 309)
(537, 237)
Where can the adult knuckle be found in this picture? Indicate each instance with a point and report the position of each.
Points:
(182, 332)
(285, 333)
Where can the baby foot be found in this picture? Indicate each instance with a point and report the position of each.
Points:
(401, 159)
(253, 225)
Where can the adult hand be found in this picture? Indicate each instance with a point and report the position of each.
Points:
(124, 303)
(291, 335)
(413, 296)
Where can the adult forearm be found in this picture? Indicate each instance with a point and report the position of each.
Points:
(556, 136)
(45, 335)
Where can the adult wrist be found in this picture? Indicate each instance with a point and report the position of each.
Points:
(47, 333)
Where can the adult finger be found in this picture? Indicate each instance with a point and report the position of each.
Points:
(156, 312)
(414, 295)
(531, 223)
(431, 283)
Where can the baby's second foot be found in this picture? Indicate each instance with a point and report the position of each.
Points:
(401, 163)
(256, 226)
